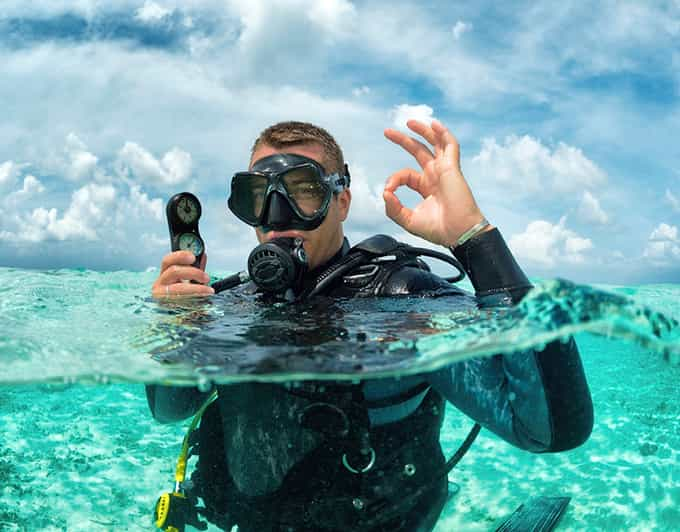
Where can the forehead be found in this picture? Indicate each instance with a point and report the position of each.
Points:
(311, 150)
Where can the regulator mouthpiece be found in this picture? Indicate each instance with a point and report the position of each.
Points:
(278, 265)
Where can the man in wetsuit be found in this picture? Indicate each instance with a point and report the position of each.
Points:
(366, 456)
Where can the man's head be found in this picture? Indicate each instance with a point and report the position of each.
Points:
(315, 143)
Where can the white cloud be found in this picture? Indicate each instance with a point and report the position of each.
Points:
(151, 12)
(545, 245)
(672, 200)
(31, 187)
(361, 91)
(460, 28)
(417, 42)
(663, 245)
(90, 208)
(95, 212)
(332, 15)
(288, 39)
(82, 163)
(404, 112)
(139, 206)
(590, 211)
(664, 232)
(8, 174)
(524, 166)
(368, 207)
(174, 168)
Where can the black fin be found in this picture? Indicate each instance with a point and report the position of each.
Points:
(540, 514)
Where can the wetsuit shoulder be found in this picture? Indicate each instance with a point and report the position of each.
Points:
(407, 276)
(411, 280)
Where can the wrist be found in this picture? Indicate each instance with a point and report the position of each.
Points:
(482, 226)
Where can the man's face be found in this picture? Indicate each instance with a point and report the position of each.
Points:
(324, 241)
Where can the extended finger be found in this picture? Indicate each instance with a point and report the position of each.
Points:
(409, 177)
(181, 258)
(447, 140)
(423, 130)
(416, 148)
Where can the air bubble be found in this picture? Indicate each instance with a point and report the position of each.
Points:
(204, 384)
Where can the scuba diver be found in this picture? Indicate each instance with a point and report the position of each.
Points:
(361, 456)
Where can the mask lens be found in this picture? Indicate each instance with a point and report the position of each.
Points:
(306, 189)
(248, 192)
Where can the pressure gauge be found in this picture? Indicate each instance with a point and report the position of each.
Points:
(191, 242)
(183, 212)
(188, 209)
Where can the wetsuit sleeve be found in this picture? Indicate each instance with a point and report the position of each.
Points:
(538, 399)
(174, 403)
(492, 269)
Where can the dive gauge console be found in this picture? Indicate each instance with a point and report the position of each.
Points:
(183, 211)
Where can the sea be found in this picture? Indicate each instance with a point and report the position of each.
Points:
(81, 451)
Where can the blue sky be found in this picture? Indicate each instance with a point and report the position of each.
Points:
(568, 119)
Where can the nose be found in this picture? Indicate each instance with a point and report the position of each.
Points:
(279, 213)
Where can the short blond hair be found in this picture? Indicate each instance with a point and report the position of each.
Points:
(285, 134)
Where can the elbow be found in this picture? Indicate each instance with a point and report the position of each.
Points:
(572, 422)
(573, 432)
(156, 406)
(169, 404)
(565, 431)
(568, 395)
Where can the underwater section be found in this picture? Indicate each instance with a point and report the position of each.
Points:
(90, 457)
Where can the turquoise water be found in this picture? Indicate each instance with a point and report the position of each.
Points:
(81, 451)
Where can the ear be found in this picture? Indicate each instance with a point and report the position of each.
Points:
(344, 200)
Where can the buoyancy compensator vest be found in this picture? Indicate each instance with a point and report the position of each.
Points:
(388, 477)
(279, 267)
(361, 478)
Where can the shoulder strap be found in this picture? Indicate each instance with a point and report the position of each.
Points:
(372, 250)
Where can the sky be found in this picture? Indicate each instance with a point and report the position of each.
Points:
(568, 117)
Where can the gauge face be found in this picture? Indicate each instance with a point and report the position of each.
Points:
(187, 210)
(191, 242)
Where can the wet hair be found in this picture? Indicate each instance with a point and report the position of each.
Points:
(285, 134)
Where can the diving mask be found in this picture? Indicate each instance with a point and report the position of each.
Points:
(285, 191)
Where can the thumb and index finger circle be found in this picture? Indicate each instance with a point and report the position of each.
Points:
(409, 177)
(395, 210)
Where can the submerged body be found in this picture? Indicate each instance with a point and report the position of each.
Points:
(290, 457)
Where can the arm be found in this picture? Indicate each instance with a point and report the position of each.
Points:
(537, 400)
(174, 403)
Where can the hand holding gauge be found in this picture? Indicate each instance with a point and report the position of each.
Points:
(188, 259)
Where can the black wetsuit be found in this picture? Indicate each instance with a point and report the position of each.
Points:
(286, 460)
